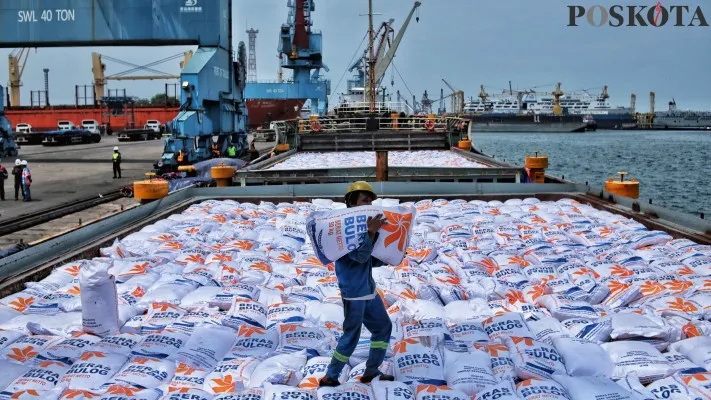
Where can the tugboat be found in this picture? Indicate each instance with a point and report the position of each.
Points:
(590, 123)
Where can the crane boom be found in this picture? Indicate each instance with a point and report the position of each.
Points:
(382, 64)
(449, 86)
(16, 66)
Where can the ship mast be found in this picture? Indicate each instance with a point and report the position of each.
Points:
(371, 62)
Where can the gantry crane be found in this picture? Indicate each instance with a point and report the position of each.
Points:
(16, 66)
(457, 98)
(98, 68)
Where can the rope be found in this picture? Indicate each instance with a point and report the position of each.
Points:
(403, 80)
(348, 65)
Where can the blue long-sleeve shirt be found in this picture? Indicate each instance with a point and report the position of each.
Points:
(355, 271)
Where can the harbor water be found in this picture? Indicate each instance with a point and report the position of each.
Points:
(673, 167)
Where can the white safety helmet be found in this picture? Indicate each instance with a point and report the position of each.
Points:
(24, 162)
(115, 148)
(18, 162)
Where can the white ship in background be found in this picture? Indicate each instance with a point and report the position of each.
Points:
(681, 119)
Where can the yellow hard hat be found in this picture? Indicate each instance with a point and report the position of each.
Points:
(360, 186)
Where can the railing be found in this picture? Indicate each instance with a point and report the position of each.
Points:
(364, 107)
(330, 124)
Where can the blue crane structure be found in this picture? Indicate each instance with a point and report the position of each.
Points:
(300, 49)
(212, 82)
(8, 148)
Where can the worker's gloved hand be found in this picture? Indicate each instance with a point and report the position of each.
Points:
(375, 223)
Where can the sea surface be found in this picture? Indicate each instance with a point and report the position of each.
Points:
(673, 167)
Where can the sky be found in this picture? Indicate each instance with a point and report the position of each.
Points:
(467, 42)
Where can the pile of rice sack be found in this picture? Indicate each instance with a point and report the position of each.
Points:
(351, 159)
(516, 300)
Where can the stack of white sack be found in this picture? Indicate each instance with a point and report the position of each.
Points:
(516, 300)
(359, 159)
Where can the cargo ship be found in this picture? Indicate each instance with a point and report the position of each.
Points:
(529, 107)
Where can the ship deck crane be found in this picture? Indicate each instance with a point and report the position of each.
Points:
(557, 94)
(16, 67)
(457, 98)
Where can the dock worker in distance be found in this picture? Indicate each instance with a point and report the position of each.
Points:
(26, 181)
(253, 153)
(3, 176)
(17, 173)
(232, 151)
(116, 159)
(362, 304)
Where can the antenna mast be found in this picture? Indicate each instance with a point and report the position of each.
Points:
(371, 62)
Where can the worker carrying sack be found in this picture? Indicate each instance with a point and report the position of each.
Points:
(335, 233)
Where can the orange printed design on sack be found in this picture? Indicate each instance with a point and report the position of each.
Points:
(23, 355)
(122, 390)
(690, 330)
(401, 347)
(225, 385)
(248, 331)
(310, 384)
(680, 305)
(526, 341)
(398, 226)
(30, 392)
(22, 303)
(71, 394)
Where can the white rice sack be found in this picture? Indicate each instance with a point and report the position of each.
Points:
(357, 371)
(188, 394)
(207, 346)
(631, 384)
(10, 372)
(230, 375)
(246, 394)
(7, 337)
(125, 392)
(69, 349)
(315, 369)
(469, 372)
(320, 313)
(335, 233)
(283, 392)
(467, 310)
(533, 359)
(384, 390)
(119, 344)
(505, 325)
(500, 391)
(296, 337)
(161, 344)
(417, 362)
(681, 363)
(61, 324)
(282, 369)
(7, 313)
(25, 349)
(187, 377)
(253, 341)
(593, 388)
(427, 328)
(583, 358)
(627, 325)
(92, 370)
(697, 349)
(245, 311)
(285, 313)
(433, 392)
(597, 331)
(501, 363)
(547, 329)
(144, 372)
(639, 357)
(468, 332)
(43, 376)
(672, 388)
(347, 391)
(99, 300)
(541, 389)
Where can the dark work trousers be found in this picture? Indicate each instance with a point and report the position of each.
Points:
(117, 170)
(2, 189)
(373, 315)
(18, 189)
